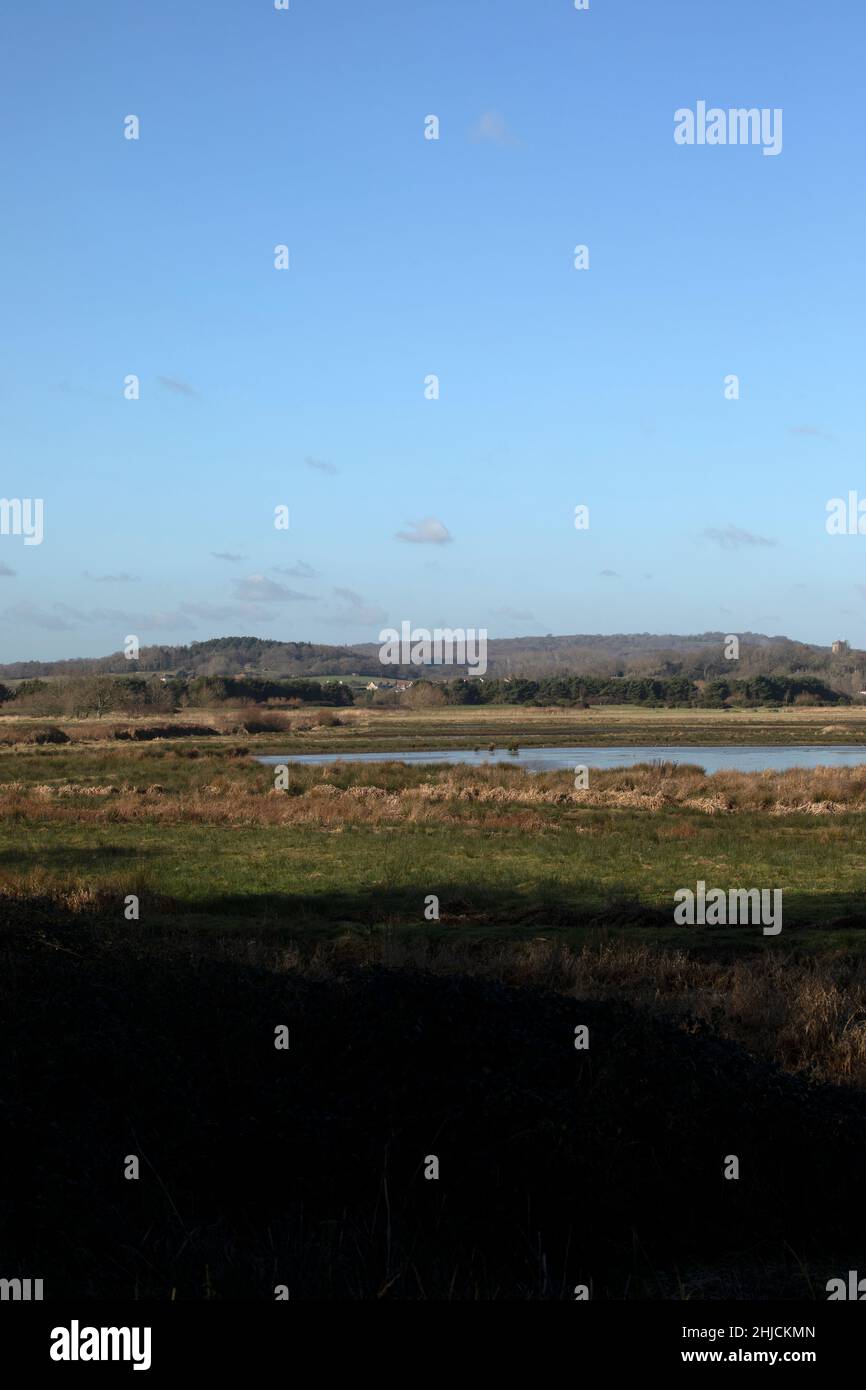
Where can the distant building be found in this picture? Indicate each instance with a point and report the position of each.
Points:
(840, 647)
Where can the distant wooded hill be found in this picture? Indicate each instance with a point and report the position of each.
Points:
(219, 656)
(699, 656)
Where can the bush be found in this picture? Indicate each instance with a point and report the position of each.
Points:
(266, 724)
(50, 735)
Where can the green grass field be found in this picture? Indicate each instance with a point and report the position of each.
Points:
(195, 829)
(534, 880)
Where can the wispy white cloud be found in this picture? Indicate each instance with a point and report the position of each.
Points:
(355, 611)
(62, 617)
(735, 538)
(810, 431)
(257, 588)
(179, 388)
(225, 612)
(26, 615)
(122, 578)
(428, 531)
(492, 127)
(514, 615)
(301, 570)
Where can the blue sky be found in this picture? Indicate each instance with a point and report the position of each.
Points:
(410, 257)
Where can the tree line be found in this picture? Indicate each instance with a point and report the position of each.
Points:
(96, 695)
(673, 690)
(101, 694)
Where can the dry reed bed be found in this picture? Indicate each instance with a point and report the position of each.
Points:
(392, 793)
(325, 807)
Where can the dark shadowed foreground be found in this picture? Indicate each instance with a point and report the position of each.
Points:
(306, 1167)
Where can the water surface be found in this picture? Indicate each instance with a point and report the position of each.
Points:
(713, 759)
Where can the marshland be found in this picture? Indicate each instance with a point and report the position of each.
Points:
(307, 906)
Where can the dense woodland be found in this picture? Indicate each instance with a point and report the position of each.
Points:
(673, 690)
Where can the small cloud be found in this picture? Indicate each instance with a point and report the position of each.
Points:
(428, 531)
(133, 622)
(29, 615)
(321, 465)
(5, 570)
(62, 618)
(299, 571)
(609, 574)
(77, 617)
(514, 615)
(180, 388)
(226, 555)
(734, 537)
(492, 126)
(350, 596)
(256, 588)
(810, 431)
(65, 388)
(356, 612)
(122, 578)
(164, 619)
(224, 612)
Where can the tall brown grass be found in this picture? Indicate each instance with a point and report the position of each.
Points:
(391, 793)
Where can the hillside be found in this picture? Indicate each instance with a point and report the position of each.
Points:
(219, 656)
(697, 656)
